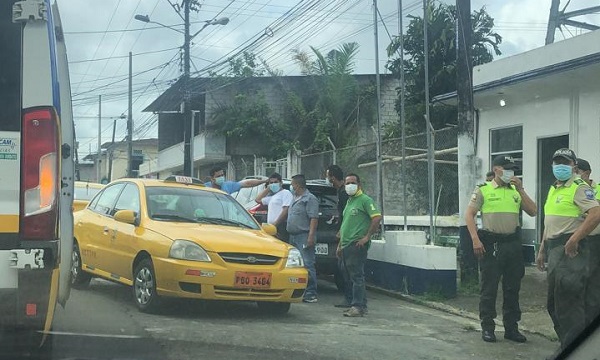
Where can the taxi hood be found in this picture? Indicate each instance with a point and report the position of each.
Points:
(219, 238)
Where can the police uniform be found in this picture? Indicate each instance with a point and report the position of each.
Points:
(500, 206)
(567, 277)
(592, 296)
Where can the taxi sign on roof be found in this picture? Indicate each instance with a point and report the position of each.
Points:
(183, 180)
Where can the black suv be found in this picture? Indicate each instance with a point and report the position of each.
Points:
(325, 248)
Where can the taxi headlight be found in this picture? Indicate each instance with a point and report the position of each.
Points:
(294, 259)
(187, 250)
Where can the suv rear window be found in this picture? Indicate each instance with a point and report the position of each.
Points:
(10, 69)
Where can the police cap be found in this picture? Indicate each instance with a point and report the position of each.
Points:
(583, 165)
(507, 162)
(565, 154)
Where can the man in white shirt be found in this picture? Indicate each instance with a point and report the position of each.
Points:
(278, 201)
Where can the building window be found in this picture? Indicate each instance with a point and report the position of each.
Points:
(509, 142)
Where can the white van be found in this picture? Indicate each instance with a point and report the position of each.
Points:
(36, 167)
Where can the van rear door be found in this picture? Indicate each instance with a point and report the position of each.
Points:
(10, 134)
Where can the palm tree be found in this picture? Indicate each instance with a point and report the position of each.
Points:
(337, 93)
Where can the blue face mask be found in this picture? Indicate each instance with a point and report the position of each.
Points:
(275, 187)
(562, 172)
(292, 189)
(220, 180)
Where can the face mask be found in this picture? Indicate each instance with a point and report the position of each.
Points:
(274, 187)
(507, 175)
(351, 189)
(562, 172)
(292, 189)
(220, 180)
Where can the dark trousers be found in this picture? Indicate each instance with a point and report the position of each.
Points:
(567, 282)
(353, 263)
(503, 259)
(592, 293)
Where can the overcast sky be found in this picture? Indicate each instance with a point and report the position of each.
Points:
(98, 47)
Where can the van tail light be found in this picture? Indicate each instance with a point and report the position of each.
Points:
(39, 174)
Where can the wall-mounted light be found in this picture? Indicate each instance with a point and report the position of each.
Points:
(502, 102)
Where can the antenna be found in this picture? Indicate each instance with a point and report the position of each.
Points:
(560, 18)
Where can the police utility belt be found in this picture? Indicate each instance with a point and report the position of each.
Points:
(490, 239)
(561, 240)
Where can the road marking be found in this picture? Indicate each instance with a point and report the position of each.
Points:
(64, 333)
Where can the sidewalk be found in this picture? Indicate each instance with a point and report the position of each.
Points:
(535, 318)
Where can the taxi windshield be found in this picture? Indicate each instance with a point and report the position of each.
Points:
(193, 205)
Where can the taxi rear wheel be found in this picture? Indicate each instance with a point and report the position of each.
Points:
(79, 278)
(144, 287)
(274, 308)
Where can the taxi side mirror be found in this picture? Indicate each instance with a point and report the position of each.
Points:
(126, 216)
(269, 229)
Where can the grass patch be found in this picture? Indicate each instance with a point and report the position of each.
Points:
(434, 294)
(470, 327)
(469, 288)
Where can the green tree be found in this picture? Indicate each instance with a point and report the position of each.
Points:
(442, 62)
(328, 107)
(248, 116)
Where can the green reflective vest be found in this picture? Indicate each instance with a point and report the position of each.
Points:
(561, 200)
(500, 199)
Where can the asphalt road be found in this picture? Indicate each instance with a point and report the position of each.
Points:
(103, 323)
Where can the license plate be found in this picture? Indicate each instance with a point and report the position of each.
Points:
(252, 280)
(321, 249)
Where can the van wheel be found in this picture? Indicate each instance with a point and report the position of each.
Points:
(79, 278)
(144, 287)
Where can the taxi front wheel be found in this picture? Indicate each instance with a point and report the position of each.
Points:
(79, 278)
(274, 308)
(144, 287)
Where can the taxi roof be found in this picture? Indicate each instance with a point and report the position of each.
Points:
(163, 183)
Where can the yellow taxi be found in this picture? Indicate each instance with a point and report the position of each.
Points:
(177, 238)
(84, 192)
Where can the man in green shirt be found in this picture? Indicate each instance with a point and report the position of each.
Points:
(360, 220)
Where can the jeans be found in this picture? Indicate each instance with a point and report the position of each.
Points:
(308, 254)
(353, 261)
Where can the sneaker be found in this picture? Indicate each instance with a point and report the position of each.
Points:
(354, 312)
(310, 300)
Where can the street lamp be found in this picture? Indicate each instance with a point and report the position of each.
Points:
(188, 156)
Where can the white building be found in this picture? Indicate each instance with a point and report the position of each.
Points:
(531, 104)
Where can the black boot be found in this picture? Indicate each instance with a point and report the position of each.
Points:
(488, 336)
(514, 335)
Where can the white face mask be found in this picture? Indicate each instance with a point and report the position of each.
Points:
(507, 175)
(351, 189)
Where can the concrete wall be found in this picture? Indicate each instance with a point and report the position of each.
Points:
(404, 262)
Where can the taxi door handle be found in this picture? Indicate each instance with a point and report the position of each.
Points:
(106, 230)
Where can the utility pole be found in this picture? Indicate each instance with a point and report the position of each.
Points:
(466, 133)
(99, 150)
(379, 150)
(130, 119)
(188, 137)
(430, 143)
(112, 149)
(402, 114)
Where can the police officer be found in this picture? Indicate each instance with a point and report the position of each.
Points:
(569, 199)
(592, 296)
(498, 246)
